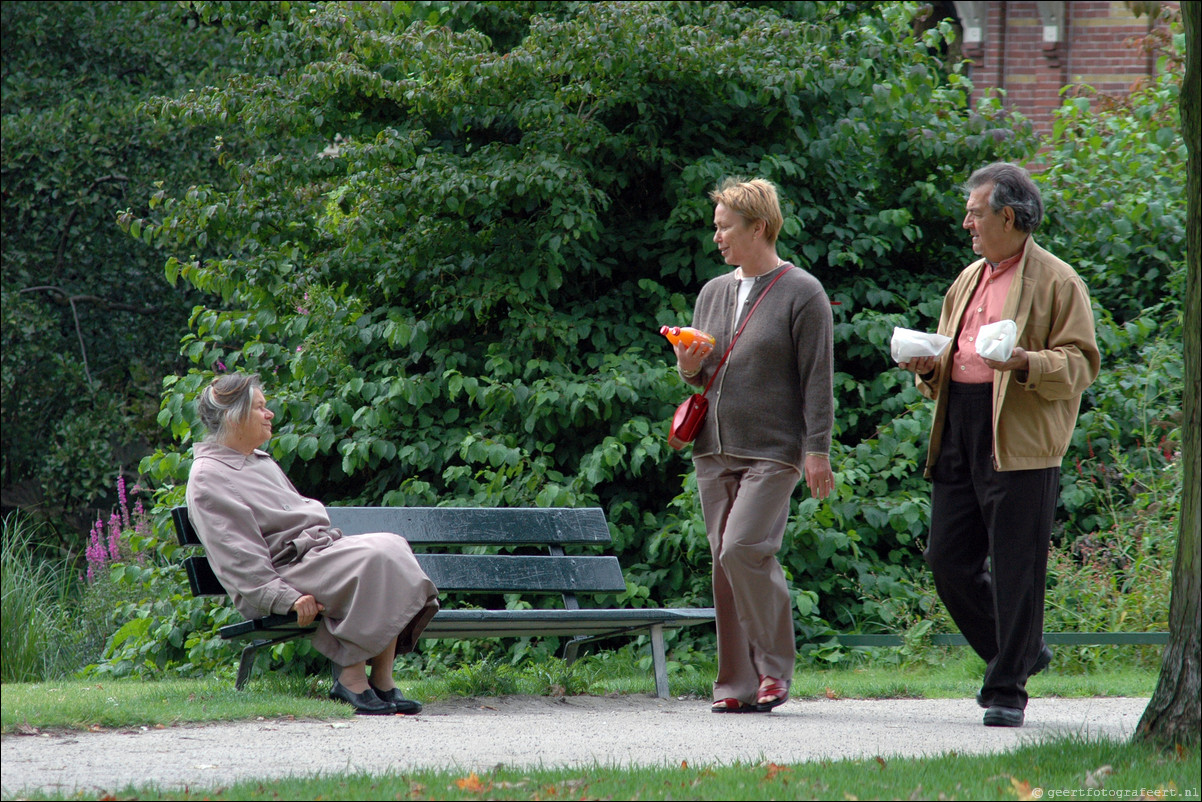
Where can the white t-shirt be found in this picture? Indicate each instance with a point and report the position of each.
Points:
(745, 285)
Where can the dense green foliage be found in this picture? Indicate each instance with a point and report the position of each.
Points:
(89, 325)
(450, 262)
(447, 235)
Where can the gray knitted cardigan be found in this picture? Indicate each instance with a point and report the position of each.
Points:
(773, 398)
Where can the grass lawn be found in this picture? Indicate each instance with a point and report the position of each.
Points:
(82, 705)
(1066, 768)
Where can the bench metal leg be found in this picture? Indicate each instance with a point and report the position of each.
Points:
(571, 649)
(247, 664)
(659, 659)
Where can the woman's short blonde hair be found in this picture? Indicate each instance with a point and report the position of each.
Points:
(753, 200)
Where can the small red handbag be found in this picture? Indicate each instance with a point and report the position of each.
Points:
(687, 420)
(690, 415)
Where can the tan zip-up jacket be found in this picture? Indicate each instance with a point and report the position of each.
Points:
(1033, 414)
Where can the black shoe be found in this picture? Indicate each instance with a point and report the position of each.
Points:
(1041, 662)
(394, 697)
(365, 704)
(998, 716)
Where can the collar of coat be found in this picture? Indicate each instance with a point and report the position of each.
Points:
(225, 455)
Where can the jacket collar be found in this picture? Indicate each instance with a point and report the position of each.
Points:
(225, 455)
(1011, 309)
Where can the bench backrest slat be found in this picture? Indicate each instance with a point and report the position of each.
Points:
(500, 526)
(464, 526)
(479, 573)
(185, 533)
(523, 574)
(201, 577)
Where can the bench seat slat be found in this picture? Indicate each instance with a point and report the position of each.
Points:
(562, 623)
(473, 623)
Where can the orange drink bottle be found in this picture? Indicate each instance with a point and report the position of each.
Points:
(686, 335)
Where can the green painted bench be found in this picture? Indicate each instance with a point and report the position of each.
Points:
(439, 536)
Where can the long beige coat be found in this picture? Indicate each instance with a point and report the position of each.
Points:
(269, 545)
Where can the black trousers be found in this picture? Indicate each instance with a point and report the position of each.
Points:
(988, 546)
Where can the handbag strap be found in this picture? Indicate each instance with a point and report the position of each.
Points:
(735, 339)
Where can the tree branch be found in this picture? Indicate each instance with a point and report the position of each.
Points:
(62, 298)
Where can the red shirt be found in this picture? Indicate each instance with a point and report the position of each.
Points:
(985, 307)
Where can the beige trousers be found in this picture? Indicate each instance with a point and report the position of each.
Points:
(746, 507)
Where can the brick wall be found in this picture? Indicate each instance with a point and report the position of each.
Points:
(1098, 44)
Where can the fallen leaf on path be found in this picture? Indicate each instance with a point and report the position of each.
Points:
(471, 783)
(1024, 791)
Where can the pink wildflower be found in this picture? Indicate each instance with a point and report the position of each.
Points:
(124, 502)
(114, 536)
(95, 551)
(141, 525)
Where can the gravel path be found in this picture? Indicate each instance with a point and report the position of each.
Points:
(478, 734)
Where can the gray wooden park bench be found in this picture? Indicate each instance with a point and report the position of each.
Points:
(452, 529)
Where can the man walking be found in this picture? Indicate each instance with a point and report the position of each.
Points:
(1000, 431)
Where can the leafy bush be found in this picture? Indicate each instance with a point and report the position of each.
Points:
(89, 325)
(450, 258)
(1114, 187)
(447, 236)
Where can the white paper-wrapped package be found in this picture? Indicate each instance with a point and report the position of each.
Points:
(908, 344)
(996, 340)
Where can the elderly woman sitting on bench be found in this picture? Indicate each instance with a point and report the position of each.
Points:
(275, 551)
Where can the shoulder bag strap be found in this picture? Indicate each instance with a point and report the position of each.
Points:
(735, 339)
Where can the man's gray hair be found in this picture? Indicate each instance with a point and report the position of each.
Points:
(1013, 187)
(226, 403)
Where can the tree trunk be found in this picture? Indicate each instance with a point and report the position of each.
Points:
(1173, 714)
